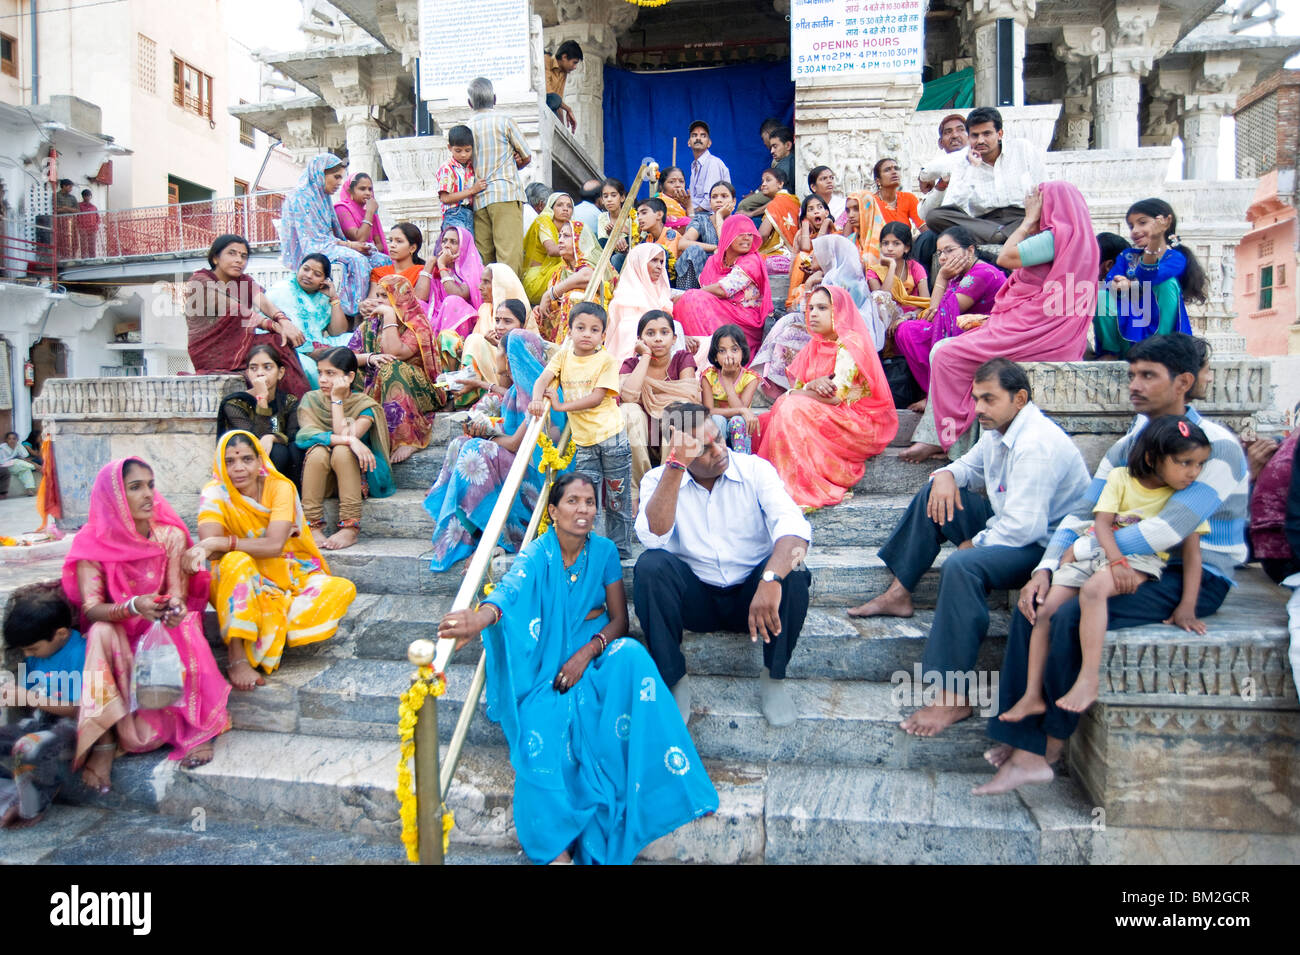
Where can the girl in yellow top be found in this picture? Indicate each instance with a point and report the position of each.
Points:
(727, 388)
(1167, 456)
(270, 585)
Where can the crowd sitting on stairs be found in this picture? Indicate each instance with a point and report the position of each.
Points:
(893, 304)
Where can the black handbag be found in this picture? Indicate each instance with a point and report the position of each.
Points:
(901, 383)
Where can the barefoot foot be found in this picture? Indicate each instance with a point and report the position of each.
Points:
(894, 602)
(401, 454)
(241, 674)
(98, 771)
(997, 755)
(1024, 708)
(1020, 769)
(933, 720)
(343, 537)
(318, 535)
(918, 406)
(1081, 696)
(920, 451)
(199, 756)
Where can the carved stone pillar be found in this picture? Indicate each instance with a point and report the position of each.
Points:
(1133, 35)
(1200, 132)
(1160, 121)
(595, 25)
(982, 18)
(361, 132)
(1074, 128)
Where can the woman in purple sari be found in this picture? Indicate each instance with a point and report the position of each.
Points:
(962, 299)
(457, 275)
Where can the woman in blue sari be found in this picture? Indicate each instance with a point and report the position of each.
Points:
(476, 463)
(308, 299)
(308, 224)
(603, 763)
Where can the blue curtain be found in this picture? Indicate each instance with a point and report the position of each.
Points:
(644, 111)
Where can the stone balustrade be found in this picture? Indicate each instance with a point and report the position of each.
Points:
(169, 422)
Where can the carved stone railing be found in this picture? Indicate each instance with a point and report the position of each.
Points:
(169, 422)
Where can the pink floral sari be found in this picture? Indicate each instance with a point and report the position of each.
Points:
(129, 565)
(701, 312)
(820, 450)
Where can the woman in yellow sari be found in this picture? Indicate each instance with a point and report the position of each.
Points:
(542, 257)
(270, 585)
(567, 285)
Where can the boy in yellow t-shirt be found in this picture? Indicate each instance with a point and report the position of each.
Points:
(589, 377)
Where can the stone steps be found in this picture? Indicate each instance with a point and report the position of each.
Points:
(863, 519)
(281, 783)
(841, 722)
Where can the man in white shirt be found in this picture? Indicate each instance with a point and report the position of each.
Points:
(986, 193)
(725, 547)
(706, 168)
(1033, 476)
(939, 169)
(15, 461)
(586, 210)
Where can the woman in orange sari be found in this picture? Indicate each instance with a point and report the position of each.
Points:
(403, 359)
(567, 286)
(839, 411)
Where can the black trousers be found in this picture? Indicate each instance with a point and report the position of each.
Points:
(1152, 602)
(669, 598)
(961, 615)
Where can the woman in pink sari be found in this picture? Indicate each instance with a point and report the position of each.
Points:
(123, 572)
(839, 410)
(733, 287)
(1042, 313)
(358, 212)
(457, 276)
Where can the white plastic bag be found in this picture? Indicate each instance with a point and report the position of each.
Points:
(158, 676)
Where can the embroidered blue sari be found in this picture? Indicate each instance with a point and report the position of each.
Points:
(474, 469)
(608, 767)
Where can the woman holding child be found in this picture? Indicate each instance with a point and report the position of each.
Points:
(603, 764)
(126, 570)
(839, 411)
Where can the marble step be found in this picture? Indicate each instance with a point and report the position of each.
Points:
(842, 576)
(840, 721)
(775, 813)
(263, 779)
(886, 473)
(862, 519)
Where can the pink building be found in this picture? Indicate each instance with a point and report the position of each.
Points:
(1268, 145)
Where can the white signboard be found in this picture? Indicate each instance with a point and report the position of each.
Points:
(855, 38)
(460, 41)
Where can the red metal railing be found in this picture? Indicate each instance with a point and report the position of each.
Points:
(27, 260)
(178, 227)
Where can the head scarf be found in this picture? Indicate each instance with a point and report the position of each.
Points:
(307, 220)
(468, 269)
(222, 503)
(587, 246)
(132, 565)
(751, 262)
(842, 268)
(634, 296)
(1029, 294)
(871, 219)
(351, 213)
(505, 285)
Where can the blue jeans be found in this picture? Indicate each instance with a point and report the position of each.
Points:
(608, 466)
(460, 215)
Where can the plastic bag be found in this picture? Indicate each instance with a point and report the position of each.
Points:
(158, 676)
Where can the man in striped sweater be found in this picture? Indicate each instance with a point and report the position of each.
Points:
(1163, 369)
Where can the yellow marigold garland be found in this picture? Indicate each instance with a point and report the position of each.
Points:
(407, 712)
(551, 458)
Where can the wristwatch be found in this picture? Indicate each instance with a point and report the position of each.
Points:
(770, 576)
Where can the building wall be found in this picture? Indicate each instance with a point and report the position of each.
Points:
(14, 23)
(1267, 330)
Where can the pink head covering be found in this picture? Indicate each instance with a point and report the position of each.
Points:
(1061, 295)
(351, 213)
(714, 269)
(132, 565)
(635, 296)
(468, 268)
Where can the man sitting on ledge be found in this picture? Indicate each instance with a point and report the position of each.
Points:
(1162, 371)
(726, 546)
(1033, 476)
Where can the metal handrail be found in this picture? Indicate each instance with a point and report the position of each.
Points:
(428, 811)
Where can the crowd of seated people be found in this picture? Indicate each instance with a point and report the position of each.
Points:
(656, 371)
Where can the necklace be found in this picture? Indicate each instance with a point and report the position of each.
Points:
(576, 571)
